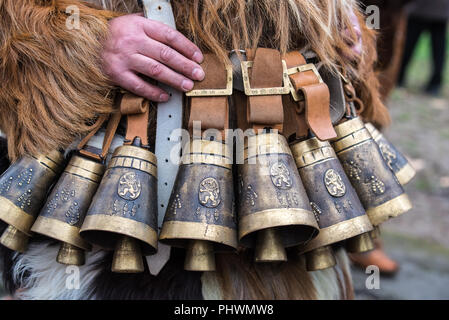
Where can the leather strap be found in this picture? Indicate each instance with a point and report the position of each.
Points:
(137, 111)
(316, 100)
(113, 123)
(213, 112)
(267, 71)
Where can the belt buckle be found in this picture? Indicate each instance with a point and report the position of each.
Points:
(264, 91)
(303, 68)
(215, 92)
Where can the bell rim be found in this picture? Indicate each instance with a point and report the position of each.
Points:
(175, 233)
(405, 174)
(348, 229)
(348, 127)
(85, 168)
(137, 152)
(16, 217)
(118, 226)
(60, 231)
(53, 161)
(390, 209)
(295, 218)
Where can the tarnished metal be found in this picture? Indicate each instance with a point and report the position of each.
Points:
(269, 247)
(334, 201)
(271, 194)
(70, 255)
(125, 202)
(359, 244)
(63, 214)
(23, 187)
(320, 259)
(200, 256)
(127, 256)
(201, 203)
(375, 183)
(392, 156)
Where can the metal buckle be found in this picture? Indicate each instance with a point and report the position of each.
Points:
(215, 92)
(264, 91)
(303, 68)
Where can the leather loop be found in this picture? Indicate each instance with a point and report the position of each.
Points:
(267, 71)
(212, 112)
(316, 103)
(132, 104)
(137, 123)
(111, 128)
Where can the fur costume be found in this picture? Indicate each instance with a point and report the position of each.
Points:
(53, 86)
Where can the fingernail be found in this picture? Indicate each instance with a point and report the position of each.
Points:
(198, 74)
(163, 97)
(187, 85)
(198, 57)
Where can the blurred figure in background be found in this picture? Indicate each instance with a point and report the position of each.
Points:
(428, 16)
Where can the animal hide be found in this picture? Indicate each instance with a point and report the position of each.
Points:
(39, 276)
(50, 75)
(52, 87)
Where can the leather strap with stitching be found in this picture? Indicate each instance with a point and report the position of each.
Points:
(315, 108)
(212, 111)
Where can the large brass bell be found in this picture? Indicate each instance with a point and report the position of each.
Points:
(338, 210)
(123, 212)
(392, 156)
(375, 183)
(63, 214)
(200, 214)
(273, 209)
(23, 188)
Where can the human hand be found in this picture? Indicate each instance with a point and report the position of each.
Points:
(137, 45)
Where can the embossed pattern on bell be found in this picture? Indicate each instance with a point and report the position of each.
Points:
(23, 187)
(271, 193)
(201, 203)
(125, 202)
(63, 214)
(395, 160)
(338, 210)
(377, 187)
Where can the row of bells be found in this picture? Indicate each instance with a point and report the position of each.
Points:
(307, 196)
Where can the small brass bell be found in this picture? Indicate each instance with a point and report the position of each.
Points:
(124, 207)
(200, 215)
(359, 244)
(337, 208)
(375, 183)
(394, 159)
(63, 214)
(23, 187)
(273, 208)
(320, 259)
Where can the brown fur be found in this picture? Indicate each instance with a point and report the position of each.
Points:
(51, 82)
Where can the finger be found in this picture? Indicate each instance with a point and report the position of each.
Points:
(159, 72)
(131, 82)
(176, 40)
(171, 58)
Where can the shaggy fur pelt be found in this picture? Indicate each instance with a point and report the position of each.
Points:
(51, 81)
(50, 76)
(39, 276)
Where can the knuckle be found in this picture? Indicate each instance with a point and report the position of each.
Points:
(166, 54)
(155, 69)
(170, 35)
